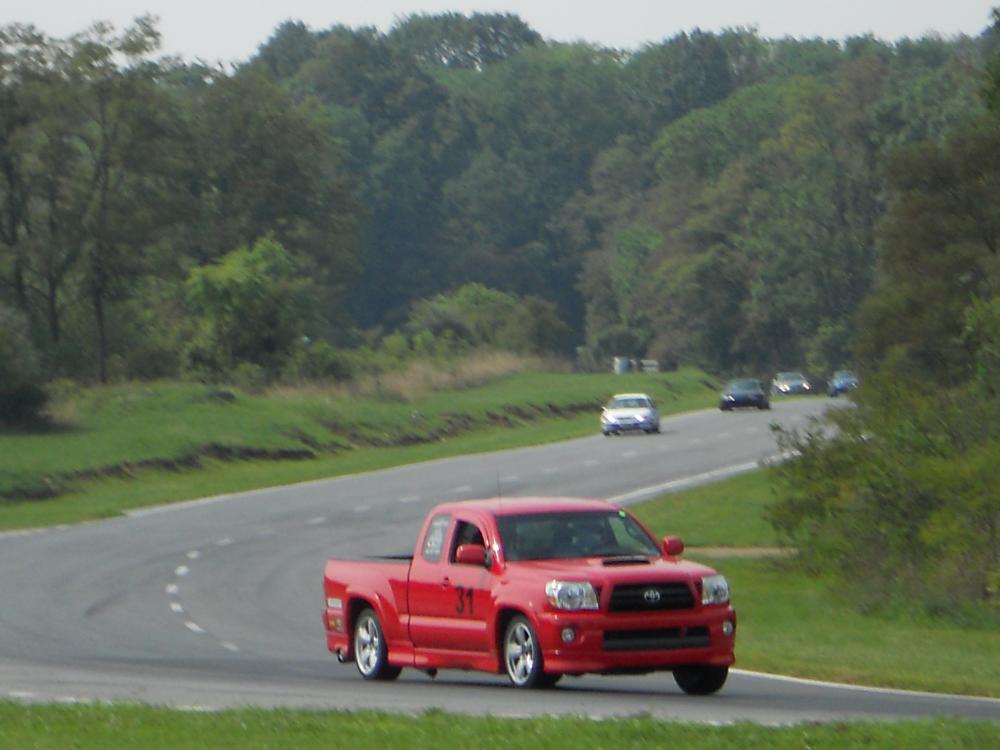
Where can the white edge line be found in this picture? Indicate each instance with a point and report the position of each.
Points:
(863, 688)
(684, 482)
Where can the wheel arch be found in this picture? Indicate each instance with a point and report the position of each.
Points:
(356, 604)
(504, 615)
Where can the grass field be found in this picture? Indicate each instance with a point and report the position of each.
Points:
(145, 728)
(721, 514)
(122, 446)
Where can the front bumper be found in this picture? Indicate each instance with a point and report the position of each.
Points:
(636, 642)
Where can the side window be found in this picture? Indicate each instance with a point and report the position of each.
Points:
(465, 533)
(434, 539)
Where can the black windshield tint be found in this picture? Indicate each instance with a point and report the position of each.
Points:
(542, 536)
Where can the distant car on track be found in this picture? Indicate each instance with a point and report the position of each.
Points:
(842, 382)
(788, 383)
(743, 392)
(629, 412)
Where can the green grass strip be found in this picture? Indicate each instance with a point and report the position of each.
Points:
(85, 727)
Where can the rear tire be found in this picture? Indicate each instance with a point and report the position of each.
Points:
(370, 652)
(700, 679)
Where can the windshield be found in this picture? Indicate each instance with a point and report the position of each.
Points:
(744, 385)
(629, 403)
(545, 536)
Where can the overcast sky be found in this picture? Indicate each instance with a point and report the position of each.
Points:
(227, 30)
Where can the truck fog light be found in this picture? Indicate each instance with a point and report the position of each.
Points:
(568, 634)
(727, 627)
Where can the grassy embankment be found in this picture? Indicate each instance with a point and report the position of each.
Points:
(115, 448)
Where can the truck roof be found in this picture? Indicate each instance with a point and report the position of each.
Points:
(505, 506)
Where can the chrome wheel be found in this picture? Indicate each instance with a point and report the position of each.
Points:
(522, 655)
(370, 653)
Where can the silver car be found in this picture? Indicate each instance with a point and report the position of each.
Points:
(630, 412)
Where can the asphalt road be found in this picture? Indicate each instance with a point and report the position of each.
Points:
(217, 602)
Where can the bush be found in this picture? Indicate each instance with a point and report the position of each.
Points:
(22, 394)
(320, 361)
(902, 497)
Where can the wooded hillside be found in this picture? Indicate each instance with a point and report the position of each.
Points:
(711, 199)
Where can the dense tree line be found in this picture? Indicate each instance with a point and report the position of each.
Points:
(902, 502)
(712, 198)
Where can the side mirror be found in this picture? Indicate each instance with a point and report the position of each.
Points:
(672, 546)
(471, 554)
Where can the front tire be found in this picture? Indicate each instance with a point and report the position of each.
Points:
(522, 655)
(370, 652)
(700, 679)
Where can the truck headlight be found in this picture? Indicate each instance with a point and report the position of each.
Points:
(571, 594)
(714, 590)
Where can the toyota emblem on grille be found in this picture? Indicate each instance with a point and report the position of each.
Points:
(652, 596)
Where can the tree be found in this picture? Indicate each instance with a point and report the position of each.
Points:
(270, 166)
(940, 243)
(992, 93)
(125, 137)
(252, 307)
(456, 41)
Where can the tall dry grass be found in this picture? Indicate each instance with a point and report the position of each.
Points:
(420, 378)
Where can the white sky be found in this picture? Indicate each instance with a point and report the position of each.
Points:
(229, 30)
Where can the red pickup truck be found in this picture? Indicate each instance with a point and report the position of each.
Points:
(537, 588)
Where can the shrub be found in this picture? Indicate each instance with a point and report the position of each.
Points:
(22, 393)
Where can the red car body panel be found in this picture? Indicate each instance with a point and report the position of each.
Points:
(438, 614)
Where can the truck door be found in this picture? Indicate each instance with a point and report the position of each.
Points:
(450, 602)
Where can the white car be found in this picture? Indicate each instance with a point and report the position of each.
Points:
(629, 411)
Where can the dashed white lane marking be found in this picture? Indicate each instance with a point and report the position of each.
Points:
(316, 521)
(511, 478)
(182, 570)
(230, 646)
(193, 554)
(177, 607)
(462, 488)
(224, 542)
(549, 471)
(724, 435)
(194, 627)
(629, 454)
(409, 499)
(22, 695)
(361, 508)
(173, 589)
(591, 462)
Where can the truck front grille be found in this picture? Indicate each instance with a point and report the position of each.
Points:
(650, 597)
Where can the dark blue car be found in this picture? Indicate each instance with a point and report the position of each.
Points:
(842, 382)
(744, 392)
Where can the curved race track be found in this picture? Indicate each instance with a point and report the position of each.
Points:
(217, 602)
